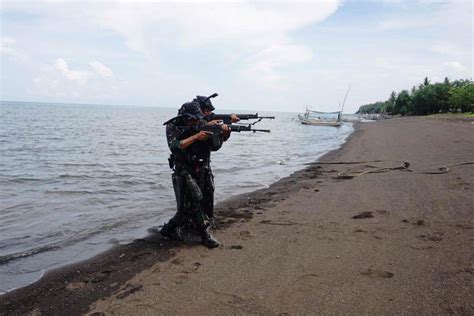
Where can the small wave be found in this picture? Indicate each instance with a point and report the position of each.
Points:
(4, 195)
(140, 164)
(227, 170)
(73, 240)
(83, 192)
(83, 165)
(4, 244)
(73, 176)
(54, 138)
(19, 255)
(26, 179)
(20, 205)
(117, 154)
(129, 182)
(71, 192)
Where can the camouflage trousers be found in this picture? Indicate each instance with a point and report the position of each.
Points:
(194, 198)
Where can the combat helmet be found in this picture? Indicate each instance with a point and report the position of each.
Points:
(188, 111)
(205, 102)
(191, 110)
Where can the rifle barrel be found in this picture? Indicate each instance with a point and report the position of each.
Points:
(241, 116)
(216, 128)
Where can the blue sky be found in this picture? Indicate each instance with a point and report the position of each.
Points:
(262, 55)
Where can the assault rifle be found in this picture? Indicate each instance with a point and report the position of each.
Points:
(217, 128)
(227, 120)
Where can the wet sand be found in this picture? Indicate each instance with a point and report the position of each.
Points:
(362, 238)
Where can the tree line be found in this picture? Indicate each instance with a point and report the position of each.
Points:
(427, 98)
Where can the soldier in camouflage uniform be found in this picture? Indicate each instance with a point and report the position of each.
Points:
(192, 177)
(207, 108)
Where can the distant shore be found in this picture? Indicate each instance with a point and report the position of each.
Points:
(334, 238)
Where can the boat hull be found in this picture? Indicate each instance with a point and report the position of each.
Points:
(320, 123)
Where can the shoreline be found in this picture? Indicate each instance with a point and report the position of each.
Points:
(278, 216)
(136, 187)
(143, 252)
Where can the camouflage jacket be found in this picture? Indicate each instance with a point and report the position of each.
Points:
(197, 153)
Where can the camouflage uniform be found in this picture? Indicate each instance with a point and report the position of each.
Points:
(208, 201)
(193, 181)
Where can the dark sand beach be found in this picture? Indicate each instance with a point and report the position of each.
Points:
(359, 232)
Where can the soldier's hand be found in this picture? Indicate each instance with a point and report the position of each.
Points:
(202, 135)
(225, 128)
(214, 122)
(234, 118)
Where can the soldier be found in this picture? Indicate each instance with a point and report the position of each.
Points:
(207, 108)
(192, 176)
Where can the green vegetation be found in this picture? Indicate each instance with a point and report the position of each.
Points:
(427, 98)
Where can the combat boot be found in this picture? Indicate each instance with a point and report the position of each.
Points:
(208, 240)
(168, 230)
(178, 233)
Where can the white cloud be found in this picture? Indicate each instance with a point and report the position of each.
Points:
(451, 14)
(260, 31)
(8, 49)
(270, 53)
(456, 66)
(60, 81)
(101, 69)
(6, 46)
(253, 38)
(264, 65)
(445, 48)
(81, 77)
(393, 67)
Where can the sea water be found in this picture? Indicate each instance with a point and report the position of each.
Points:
(78, 179)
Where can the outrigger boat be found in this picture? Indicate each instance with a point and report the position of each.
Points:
(320, 118)
(311, 117)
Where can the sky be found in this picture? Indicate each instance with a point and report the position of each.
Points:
(258, 55)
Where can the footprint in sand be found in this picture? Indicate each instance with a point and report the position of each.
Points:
(280, 223)
(127, 290)
(436, 237)
(76, 285)
(139, 256)
(177, 261)
(181, 278)
(464, 226)
(414, 221)
(362, 215)
(377, 274)
(238, 247)
(196, 265)
(305, 283)
(245, 235)
(101, 276)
